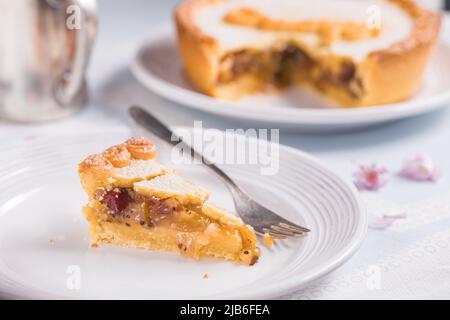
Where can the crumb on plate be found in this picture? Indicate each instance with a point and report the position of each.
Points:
(268, 240)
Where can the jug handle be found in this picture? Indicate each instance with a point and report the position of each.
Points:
(67, 88)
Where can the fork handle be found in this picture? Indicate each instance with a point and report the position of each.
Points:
(152, 124)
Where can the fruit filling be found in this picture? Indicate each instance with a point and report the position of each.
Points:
(283, 66)
(194, 229)
(126, 206)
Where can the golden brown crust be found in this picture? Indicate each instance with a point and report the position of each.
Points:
(96, 168)
(198, 51)
(140, 148)
(119, 155)
(395, 74)
(389, 75)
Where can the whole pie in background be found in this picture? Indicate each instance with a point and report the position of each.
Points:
(357, 53)
(136, 202)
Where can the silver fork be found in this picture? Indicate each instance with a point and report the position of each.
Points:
(263, 220)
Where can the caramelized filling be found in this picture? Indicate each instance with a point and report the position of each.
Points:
(291, 64)
(239, 63)
(125, 206)
(194, 230)
(285, 66)
(344, 77)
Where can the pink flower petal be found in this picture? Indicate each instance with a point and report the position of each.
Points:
(420, 167)
(370, 177)
(386, 220)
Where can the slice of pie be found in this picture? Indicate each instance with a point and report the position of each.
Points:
(356, 53)
(136, 202)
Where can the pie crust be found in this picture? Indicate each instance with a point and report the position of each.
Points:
(385, 75)
(136, 202)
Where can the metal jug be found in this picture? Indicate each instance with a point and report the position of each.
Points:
(45, 47)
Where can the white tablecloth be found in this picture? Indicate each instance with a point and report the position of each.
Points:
(409, 260)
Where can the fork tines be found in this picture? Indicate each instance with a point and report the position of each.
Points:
(284, 230)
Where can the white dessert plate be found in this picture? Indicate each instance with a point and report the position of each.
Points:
(44, 239)
(157, 66)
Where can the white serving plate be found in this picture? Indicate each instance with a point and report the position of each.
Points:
(41, 200)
